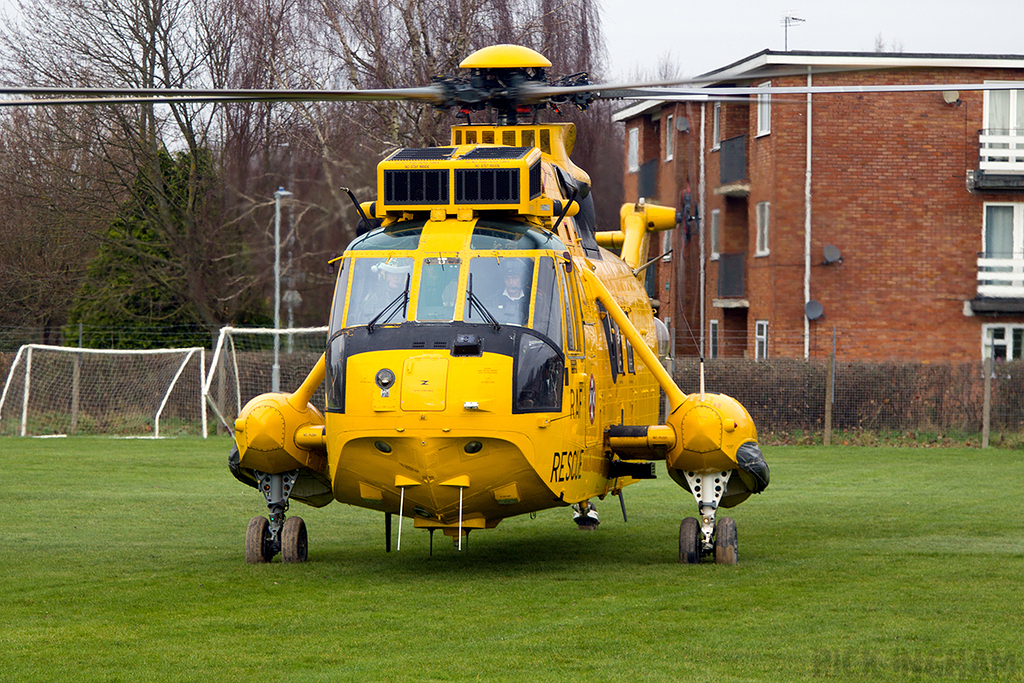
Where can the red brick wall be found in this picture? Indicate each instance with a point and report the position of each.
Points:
(888, 189)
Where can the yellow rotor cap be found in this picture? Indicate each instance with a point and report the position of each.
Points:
(505, 57)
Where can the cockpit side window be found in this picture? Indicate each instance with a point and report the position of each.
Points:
(571, 306)
(340, 296)
(547, 311)
(586, 219)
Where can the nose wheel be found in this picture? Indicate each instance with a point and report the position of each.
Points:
(724, 544)
(266, 538)
(708, 536)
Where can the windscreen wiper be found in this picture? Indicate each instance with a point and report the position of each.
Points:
(393, 307)
(474, 300)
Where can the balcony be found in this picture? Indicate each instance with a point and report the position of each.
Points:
(731, 285)
(1000, 161)
(732, 167)
(1000, 285)
(1001, 276)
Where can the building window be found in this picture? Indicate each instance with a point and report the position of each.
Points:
(670, 137)
(1002, 342)
(1002, 140)
(761, 339)
(1004, 231)
(716, 232)
(764, 111)
(763, 213)
(1003, 244)
(633, 150)
(713, 339)
(716, 127)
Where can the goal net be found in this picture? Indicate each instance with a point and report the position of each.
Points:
(242, 366)
(58, 390)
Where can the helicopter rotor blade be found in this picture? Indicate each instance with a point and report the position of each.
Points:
(29, 96)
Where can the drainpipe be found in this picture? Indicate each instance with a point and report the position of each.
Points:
(700, 224)
(807, 225)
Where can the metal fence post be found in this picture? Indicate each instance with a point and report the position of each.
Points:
(830, 391)
(986, 411)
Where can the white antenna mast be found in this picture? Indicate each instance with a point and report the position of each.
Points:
(789, 20)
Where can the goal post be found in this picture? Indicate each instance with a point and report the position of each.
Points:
(242, 366)
(145, 393)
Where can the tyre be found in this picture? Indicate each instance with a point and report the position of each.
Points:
(689, 541)
(294, 546)
(726, 542)
(257, 541)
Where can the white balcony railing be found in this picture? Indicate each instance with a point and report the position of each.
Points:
(1001, 277)
(1001, 151)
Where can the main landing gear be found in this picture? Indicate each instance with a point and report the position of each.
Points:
(706, 536)
(266, 538)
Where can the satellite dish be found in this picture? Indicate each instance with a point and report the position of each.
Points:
(682, 125)
(813, 310)
(950, 96)
(832, 254)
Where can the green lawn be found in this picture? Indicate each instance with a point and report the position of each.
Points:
(123, 561)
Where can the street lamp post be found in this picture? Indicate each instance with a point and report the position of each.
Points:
(275, 377)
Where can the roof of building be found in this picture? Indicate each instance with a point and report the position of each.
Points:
(771, 62)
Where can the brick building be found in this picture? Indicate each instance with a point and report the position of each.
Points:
(895, 219)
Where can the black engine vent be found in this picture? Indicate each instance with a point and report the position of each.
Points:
(487, 186)
(416, 186)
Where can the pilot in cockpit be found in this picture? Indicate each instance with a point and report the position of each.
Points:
(392, 276)
(513, 304)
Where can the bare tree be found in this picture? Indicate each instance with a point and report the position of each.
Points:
(184, 193)
(188, 233)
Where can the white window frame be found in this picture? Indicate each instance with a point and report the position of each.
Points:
(1015, 95)
(670, 137)
(715, 234)
(1018, 229)
(763, 223)
(633, 149)
(760, 339)
(764, 111)
(1007, 268)
(1012, 342)
(1002, 149)
(713, 339)
(716, 127)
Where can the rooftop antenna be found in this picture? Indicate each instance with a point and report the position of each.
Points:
(789, 20)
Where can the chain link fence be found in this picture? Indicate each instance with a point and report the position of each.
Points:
(797, 401)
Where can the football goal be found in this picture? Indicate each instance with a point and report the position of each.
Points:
(243, 366)
(59, 390)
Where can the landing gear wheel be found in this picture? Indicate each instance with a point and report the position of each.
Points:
(726, 542)
(689, 541)
(294, 546)
(257, 541)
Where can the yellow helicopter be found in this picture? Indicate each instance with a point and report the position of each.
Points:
(489, 355)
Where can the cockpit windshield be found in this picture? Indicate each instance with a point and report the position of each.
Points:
(507, 276)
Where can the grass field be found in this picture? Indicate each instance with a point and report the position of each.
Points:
(123, 561)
